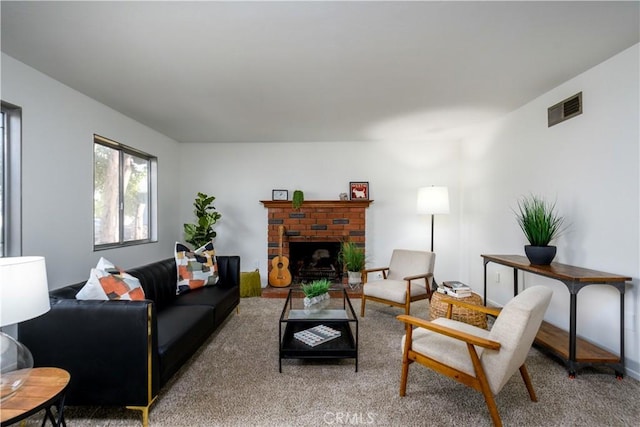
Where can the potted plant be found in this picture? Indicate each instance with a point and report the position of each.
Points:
(316, 291)
(202, 232)
(540, 223)
(297, 199)
(353, 260)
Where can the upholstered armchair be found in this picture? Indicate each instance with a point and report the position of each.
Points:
(483, 360)
(407, 279)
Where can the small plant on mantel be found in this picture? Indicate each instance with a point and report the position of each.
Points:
(298, 198)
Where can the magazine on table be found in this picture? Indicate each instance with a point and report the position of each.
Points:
(317, 335)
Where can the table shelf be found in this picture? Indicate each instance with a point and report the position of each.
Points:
(565, 345)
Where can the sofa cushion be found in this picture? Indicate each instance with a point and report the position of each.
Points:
(108, 282)
(195, 268)
(222, 296)
(181, 331)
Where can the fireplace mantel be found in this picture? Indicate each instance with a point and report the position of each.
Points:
(319, 221)
(318, 203)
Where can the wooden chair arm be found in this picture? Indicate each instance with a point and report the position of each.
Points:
(365, 273)
(372, 270)
(453, 333)
(418, 276)
(493, 311)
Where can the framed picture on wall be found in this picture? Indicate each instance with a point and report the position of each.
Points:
(359, 190)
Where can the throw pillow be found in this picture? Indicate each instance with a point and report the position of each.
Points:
(108, 282)
(195, 268)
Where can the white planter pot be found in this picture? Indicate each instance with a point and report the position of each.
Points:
(354, 279)
(308, 302)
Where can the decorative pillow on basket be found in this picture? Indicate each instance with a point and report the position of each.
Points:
(195, 268)
(108, 282)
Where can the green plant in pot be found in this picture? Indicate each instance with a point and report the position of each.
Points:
(353, 259)
(541, 224)
(316, 291)
(297, 199)
(202, 232)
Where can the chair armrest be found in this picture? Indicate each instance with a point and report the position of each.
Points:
(105, 345)
(373, 270)
(492, 311)
(365, 273)
(450, 332)
(418, 276)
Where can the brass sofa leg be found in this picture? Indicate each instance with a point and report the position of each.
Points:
(145, 413)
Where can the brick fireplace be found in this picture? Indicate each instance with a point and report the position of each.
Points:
(312, 234)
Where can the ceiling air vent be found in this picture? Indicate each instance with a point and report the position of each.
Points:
(565, 110)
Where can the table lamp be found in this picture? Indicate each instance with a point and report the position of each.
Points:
(24, 294)
(433, 200)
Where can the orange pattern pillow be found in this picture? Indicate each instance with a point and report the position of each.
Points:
(108, 282)
(195, 268)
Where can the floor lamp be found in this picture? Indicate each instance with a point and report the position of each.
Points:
(431, 201)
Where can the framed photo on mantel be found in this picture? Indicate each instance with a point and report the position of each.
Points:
(279, 195)
(359, 190)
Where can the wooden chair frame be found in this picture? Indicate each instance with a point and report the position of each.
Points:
(479, 382)
(408, 298)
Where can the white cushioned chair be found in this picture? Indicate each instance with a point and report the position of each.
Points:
(481, 359)
(407, 278)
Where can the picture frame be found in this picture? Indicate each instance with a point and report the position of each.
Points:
(279, 194)
(359, 190)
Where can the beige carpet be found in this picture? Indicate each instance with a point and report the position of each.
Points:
(234, 381)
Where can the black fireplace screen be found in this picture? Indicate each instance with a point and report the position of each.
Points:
(310, 261)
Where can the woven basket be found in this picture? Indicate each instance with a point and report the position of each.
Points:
(472, 317)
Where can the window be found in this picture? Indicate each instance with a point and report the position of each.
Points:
(123, 195)
(10, 164)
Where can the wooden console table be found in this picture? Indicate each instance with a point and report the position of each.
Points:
(574, 352)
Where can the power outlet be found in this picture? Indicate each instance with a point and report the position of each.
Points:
(379, 276)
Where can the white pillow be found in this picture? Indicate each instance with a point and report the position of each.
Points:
(108, 282)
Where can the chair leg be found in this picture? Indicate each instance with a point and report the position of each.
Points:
(404, 376)
(364, 300)
(527, 381)
(408, 338)
(484, 386)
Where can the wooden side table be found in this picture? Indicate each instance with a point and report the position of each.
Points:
(44, 389)
(437, 308)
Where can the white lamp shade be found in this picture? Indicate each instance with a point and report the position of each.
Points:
(433, 200)
(24, 292)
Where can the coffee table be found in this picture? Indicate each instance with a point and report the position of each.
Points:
(43, 389)
(336, 313)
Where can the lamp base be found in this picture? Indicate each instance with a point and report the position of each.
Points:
(16, 363)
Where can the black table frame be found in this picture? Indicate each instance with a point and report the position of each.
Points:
(343, 347)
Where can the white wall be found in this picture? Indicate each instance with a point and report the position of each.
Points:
(590, 165)
(240, 175)
(58, 124)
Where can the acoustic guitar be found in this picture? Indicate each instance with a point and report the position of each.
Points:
(280, 276)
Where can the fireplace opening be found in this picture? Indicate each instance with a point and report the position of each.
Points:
(310, 261)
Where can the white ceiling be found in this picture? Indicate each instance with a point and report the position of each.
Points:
(315, 71)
